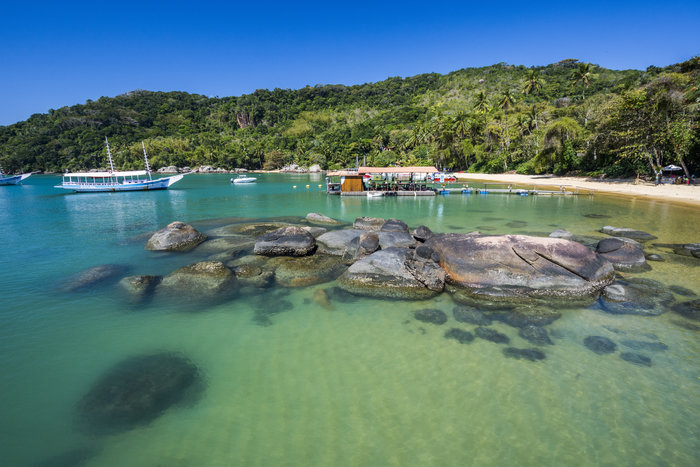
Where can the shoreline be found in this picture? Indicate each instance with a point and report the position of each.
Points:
(685, 194)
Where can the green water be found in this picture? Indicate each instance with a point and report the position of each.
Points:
(360, 384)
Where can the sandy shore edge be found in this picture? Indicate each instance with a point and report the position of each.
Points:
(688, 194)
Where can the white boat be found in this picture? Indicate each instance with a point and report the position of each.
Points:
(242, 178)
(12, 179)
(375, 194)
(134, 180)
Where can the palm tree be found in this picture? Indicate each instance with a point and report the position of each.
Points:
(532, 84)
(582, 74)
(506, 101)
(481, 105)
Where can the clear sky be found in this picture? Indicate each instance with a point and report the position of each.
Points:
(61, 53)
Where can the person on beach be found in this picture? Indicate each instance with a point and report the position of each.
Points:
(658, 177)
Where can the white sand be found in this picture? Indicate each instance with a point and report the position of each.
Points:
(677, 193)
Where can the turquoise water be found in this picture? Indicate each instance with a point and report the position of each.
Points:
(361, 383)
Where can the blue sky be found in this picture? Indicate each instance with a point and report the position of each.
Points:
(55, 54)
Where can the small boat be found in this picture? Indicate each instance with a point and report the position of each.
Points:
(375, 194)
(242, 178)
(134, 180)
(12, 179)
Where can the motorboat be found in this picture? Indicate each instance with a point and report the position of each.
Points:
(242, 178)
(112, 180)
(12, 179)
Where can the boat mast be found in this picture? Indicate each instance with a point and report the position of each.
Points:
(145, 157)
(1, 172)
(109, 156)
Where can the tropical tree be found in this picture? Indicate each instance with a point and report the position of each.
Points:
(532, 84)
(582, 75)
(481, 104)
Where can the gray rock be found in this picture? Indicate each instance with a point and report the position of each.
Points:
(253, 229)
(422, 233)
(177, 236)
(654, 257)
(317, 218)
(254, 276)
(644, 297)
(336, 242)
(644, 345)
(627, 233)
(385, 273)
(315, 231)
(206, 279)
(372, 224)
(394, 225)
(315, 169)
(234, 245)
(361, 246)
(515, 266)
(286, 241)
(624, 254)
(491, 335)
(396, 239)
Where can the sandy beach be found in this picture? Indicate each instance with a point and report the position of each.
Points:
(689, 194)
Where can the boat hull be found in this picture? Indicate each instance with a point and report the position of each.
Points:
(145, 185)
(13, 180)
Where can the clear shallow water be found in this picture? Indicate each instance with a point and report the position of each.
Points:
(361, 384)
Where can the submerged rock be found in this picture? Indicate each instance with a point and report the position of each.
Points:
(394, 225)
(430, 315)
(623, 253)
(286, 241)
(682, 291)
(270, 304)
(627, 233)
(461, 336)
(637, 359)
(644, 297)
(254, 229)
(206, 279)
(532, 355)
(317, 218)
(252, 275)
(94, 276)
(140, 286)
(372, 224)
(307, 270)
(599, 344)
(562, 233)
(491, 335)
(516, 266)
(465, 314)
(137, 391)
(527, 316)
(644, 345)
(232, 246)
(177, 236)
(535, 335)
(689, 309)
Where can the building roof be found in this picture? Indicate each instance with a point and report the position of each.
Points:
(342, 173)
(394, 170)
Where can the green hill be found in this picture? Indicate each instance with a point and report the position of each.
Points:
(564, 117)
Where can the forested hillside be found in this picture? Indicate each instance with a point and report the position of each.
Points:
(568, 117)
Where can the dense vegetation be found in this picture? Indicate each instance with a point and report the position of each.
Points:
(568, 117)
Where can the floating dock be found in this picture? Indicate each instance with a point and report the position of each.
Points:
(377, 194)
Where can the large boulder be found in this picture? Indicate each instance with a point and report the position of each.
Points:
(373, 224)
(336, 242)
(513, 266)
(317, 218)
(627, 233)
(206, 279)
(177, 236)
(394, 225)
(315, 169)
(398, 239)
(139, 287)
(286, 241)
(307, 270)
(422, 233)
(625, 254)
(137, 391)
(389, 273)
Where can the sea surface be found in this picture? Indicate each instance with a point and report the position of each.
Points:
(358, 383)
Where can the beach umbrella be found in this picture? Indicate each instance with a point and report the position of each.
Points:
(672, 168)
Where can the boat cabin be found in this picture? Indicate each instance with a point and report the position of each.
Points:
(390, 180)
